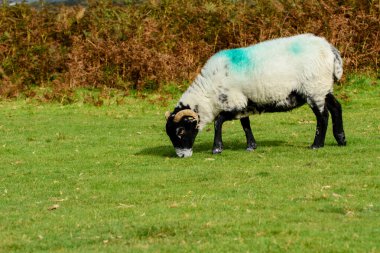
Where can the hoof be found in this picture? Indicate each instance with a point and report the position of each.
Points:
(251, 148)
(217, 151)
(316, 146)
(342, 142)
(341, 139)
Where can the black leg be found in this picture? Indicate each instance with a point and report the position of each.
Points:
(335, 109)
(218, 142)
(322, 121)
(251, 143)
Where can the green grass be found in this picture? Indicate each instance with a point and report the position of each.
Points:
(79, 178)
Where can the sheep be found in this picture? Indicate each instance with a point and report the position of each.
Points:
(272, 76)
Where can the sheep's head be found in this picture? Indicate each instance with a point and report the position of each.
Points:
(182, 128)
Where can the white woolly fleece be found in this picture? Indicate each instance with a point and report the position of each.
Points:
(263, 73)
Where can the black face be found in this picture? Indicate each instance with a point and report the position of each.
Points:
(182, 134)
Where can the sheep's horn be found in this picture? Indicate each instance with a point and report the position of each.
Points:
(184, 113)
(167, 115)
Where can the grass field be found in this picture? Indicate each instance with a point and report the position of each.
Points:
(80, 178)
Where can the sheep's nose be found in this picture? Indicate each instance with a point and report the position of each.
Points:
(184, 152)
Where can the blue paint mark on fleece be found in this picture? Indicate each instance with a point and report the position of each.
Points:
(239, 58)
(295, 48)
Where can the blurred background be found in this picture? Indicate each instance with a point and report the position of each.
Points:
(49, 49)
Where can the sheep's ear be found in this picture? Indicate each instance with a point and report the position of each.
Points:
(167, 115)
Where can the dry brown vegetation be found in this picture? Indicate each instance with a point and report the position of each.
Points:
(150, 44)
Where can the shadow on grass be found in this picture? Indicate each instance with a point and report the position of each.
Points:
(163, 151)
(206, 147)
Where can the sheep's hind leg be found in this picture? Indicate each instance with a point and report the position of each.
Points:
(335, 109)
(218, 142)
(322, 121)
(251, 142)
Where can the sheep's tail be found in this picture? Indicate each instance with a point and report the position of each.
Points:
(338, 64)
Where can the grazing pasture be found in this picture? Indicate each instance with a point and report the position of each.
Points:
(80, 178)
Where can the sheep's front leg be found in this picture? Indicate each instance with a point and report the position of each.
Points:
(322, 121)
(251, 142)
(218, 142)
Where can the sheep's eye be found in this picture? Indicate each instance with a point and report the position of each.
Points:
(180, 132)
